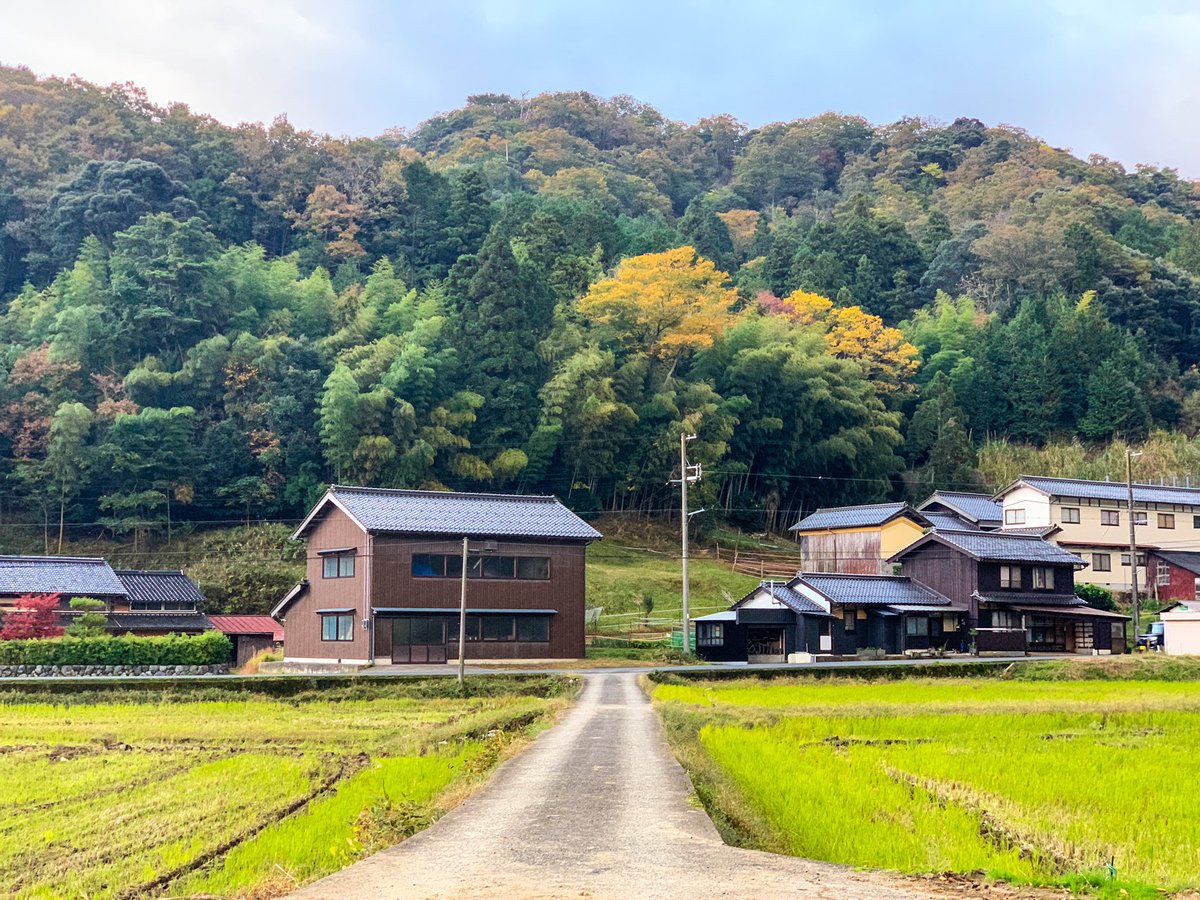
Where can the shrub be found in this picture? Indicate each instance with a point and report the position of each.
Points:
(1095, 596)
(208, 649)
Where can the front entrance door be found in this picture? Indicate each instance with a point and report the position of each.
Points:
(764, 644)
(419, 639)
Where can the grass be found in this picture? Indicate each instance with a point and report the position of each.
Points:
(126, 792)
(1038, 782)
(618, 577)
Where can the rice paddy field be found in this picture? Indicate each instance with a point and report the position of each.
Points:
(1092, 785)
(146, 793)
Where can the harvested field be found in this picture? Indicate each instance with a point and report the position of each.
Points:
(184, 794)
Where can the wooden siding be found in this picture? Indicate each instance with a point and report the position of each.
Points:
(393, 586)
(947, 571)
(847, 552)
(302, 625)
(1181, 584)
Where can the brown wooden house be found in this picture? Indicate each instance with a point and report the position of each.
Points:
(385, 574)
(1018, 590)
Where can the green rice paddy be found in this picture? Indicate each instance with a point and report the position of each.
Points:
(244, 796)
(1073, 783)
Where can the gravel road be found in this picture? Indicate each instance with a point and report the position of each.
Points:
(597, 807)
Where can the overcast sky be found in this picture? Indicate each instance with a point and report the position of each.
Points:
(1113, 77)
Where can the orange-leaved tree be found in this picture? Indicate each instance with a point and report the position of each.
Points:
(663, 303)
(853, 333)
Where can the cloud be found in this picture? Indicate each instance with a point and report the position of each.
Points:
(236, 59)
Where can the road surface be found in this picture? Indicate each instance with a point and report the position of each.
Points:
(597, 807)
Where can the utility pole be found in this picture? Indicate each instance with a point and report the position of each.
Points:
(462, 619)
(1133, 581)
(687, 475)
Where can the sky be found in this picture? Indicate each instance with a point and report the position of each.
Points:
(1112, 77)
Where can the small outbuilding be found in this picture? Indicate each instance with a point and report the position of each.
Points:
(250, 635)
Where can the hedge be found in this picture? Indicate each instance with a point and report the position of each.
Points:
(208, 649)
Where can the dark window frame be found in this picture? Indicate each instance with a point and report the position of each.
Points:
(340, 635)
(1110, 517)
(850, 621)
(1097, 558)
(1007, 574)
(1070, 515)
(340, 567)
(449, 565)
(710, 634)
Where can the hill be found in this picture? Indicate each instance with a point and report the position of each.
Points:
(202, 324)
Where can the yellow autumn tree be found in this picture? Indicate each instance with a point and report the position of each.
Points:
(663, 303)
(853, 333)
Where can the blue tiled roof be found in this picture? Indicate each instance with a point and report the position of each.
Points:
(71, 575)
(976, 507)
(854, 516)
(873, 590)
(999, 546)
(171, 588)
(793, 600)
(1108, 490)
(943, 521)
(1030, 598)
(473, 515)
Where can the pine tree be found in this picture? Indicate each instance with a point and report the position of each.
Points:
(701, 228)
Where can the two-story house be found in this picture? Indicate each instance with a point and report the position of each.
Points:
(1018, 591)
(1092, 518)
(385, 572)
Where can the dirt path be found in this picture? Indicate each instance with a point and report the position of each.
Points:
(598, 807)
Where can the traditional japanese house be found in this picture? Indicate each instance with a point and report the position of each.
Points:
(1018, 591)
(973, 510)
(135, 602)
(832, 614)
(385, 573)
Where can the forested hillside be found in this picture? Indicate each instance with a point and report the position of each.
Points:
(203, 323)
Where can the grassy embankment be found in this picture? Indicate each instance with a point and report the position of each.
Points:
(183, 791)
(1042, 780)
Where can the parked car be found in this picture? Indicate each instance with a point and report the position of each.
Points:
(1152, 639)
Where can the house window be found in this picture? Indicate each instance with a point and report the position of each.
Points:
(449, 565)
(1110, 517)
(710, 634)
(533, 628)
(1102, 562)
(1139, 518)
(499, 628)
(849, 621)
(1166, 520)
(1043, 578)
(1162, 574)
(916, 626)
(337, 627)
(1004, 618)
(1010, 577)
(1196, 521)
(337, 565)
(1070, 515)
(1014, 517)
(949, 622)
(1141, 559)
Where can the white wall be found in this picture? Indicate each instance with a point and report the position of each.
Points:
(1181, 633)
(1035, 504)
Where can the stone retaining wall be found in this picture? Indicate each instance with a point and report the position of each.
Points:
(108, 671)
